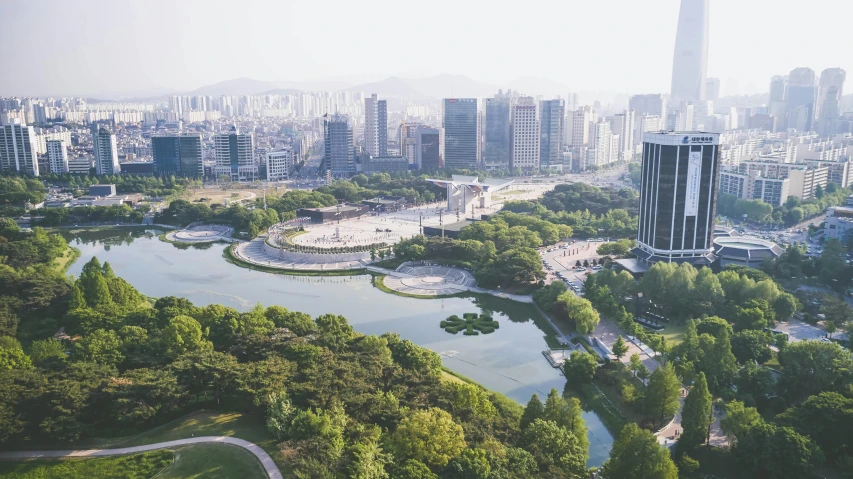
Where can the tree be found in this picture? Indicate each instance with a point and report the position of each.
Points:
(770, 451)
(335, 331)
(532, 411)
(47, 349)
(751, 345)
(100, 346)
(12, 356)
(183, 334)
(553, 446)
(567, 413)
(76, 300)
(413, 469)
(619, 348)
(637, 453)
(634, 363)
(663, 393)
(471, 464)
(579, 311)
(367, 460)
(696, 416)
(470, 401)
(812, 367)
(827, 419)
(580, 367)
(738, 419)
(429, 436)
(643, 373)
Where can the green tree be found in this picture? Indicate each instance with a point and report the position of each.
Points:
(696, 416)
(580, 312)
(812, 367)
(553, 446)
(183, 334)
(751, 346)
(47, 349)
(663, 393)
(469, 401)
(637, 453)
(12, 356)
(429, 436)
(580, 367)
(100, 346)
(533, 411)
(471, 464)
(414, 469)
(335, 331)
(827, 419)
(567, 413)
(634, 363)
(738, 419)
(620, 349)
(76, 299)
(367, 460)
(769, 451)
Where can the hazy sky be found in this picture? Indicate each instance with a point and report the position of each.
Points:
(62, 47)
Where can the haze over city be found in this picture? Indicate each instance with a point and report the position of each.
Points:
(137, 48)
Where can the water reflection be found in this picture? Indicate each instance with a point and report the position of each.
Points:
(508, 360)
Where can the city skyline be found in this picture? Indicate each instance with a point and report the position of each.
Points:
(191, 55)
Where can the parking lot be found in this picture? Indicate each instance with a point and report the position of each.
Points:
(560, 261)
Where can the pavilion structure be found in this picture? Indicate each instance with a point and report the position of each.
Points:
(467, 192)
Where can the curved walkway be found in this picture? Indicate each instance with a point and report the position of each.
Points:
(266, 461)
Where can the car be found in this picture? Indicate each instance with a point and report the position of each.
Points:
(597, 268)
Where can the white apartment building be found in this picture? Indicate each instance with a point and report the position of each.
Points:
(581, 119)
(106, 151)
(600, 144)
(234, 152)
(279, 164)
(57, 156)
(525, 135)
(18, 149)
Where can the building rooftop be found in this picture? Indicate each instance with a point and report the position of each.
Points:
(746, 248)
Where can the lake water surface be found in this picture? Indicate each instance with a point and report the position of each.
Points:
(509, 360)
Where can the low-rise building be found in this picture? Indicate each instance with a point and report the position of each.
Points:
(387, 164)
(839, 222)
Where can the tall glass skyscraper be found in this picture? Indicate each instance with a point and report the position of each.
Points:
(690, 62)
(801, 98)
(496, 154)
(678, 197)
(552, 114)
(461, 133)
(178, 155)
(339, 153)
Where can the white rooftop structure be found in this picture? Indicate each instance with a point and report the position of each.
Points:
(467, 192)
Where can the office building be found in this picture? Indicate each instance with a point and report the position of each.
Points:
(339, 155)
(525, 135)
(428, 148)
(800, 99)
(178, 155)
(279, 164)
(18, 149)
(690, 60)
(234, 154)
(712, 89)
(102, 190)
(830, 91)
(649, 105)
(461, 133)
(105, 151)
(582, 118)
(622, 124)
(678, 197)
(552, 115)
(80, 165)
(57, 156)
(777, 106)
(408, 141)
(496, 152)
(375, 126)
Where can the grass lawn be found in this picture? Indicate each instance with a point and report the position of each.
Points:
(65, 261)
(214, 461)
(135, 466)
(219, 196)
(673, 334)
(774, 361)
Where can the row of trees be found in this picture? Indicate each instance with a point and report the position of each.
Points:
(792, 212)
(361, 187)
(161, 186)
(86, 214)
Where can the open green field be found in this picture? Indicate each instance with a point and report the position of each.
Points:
(62, 263)
(673, 334)
(213, 461)
(135, 466)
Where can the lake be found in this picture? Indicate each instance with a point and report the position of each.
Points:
(509, 360)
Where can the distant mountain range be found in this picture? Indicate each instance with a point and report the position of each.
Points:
(417, 89)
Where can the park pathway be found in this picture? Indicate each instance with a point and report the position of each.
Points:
(607, 332)
(266, 461)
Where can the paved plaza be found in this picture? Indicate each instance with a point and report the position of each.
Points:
(201, 234)
(429, 280)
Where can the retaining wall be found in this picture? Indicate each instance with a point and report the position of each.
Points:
(318, 258)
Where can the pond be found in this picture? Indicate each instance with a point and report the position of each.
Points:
(509, 360)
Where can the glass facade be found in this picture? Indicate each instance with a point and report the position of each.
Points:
(667, 227)
(496, 153)
(177, 155)
(461, 142)
(551, 113)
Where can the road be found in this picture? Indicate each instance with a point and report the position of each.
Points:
(266, 461)
(563, 259)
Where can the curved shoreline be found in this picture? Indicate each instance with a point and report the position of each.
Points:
(268, 464)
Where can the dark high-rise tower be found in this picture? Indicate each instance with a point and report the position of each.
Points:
(339, 155)
(178, 155)
(496, 152)
(690, 62)
(461, 133)
(678, 197)
(801, 99)
(552, 114)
